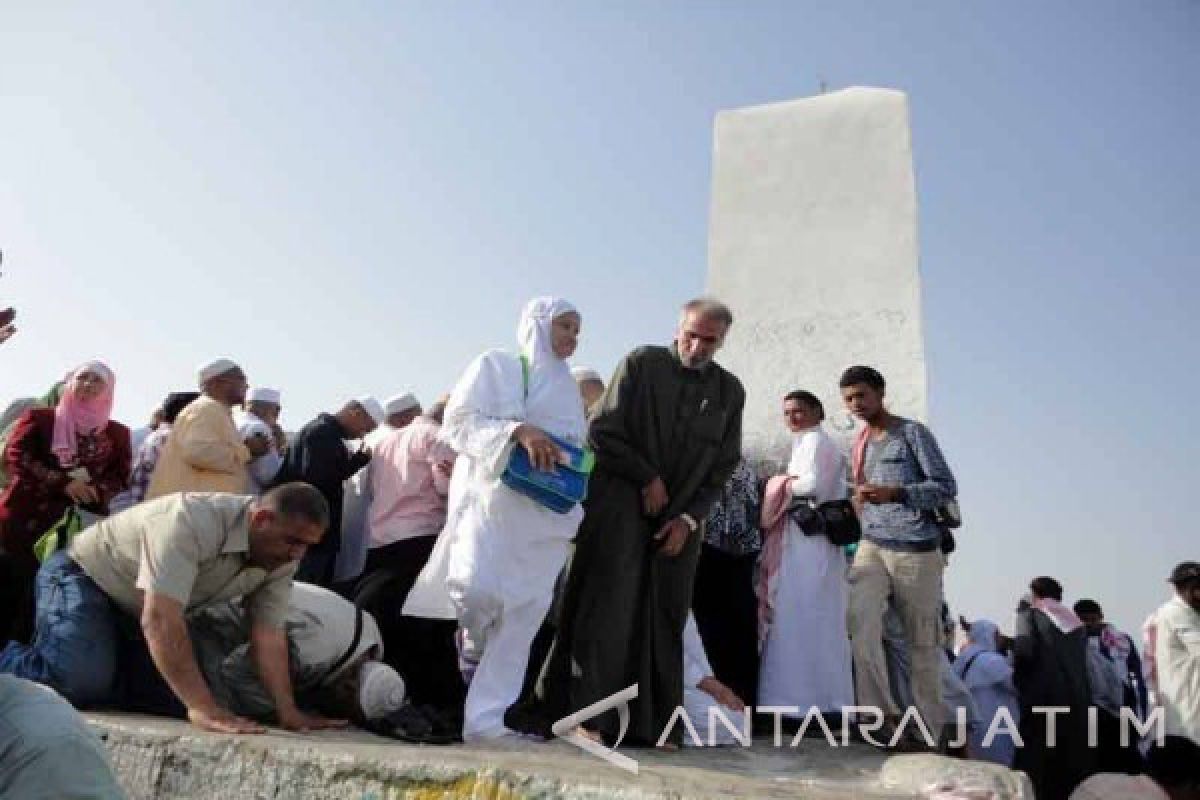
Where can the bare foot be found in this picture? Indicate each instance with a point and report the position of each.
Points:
(585, 733)
(667, 747)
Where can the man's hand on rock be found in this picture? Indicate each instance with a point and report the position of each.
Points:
(297, 720)
(721, 693)
(218, 720)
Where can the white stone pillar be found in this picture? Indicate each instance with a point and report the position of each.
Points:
(813, 244)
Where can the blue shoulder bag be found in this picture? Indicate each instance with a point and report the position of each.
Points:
(560, 490)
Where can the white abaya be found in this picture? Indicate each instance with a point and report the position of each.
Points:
(501, 552)
(806, 657)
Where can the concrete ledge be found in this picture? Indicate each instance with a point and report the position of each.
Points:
(161, 759)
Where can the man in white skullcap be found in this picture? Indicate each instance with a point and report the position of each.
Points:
(260, 417)
(591, 386)
(332, 669)
(401, 410)
(204, 452)
(318, 456)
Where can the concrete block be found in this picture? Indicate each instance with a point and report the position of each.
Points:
(813, 243)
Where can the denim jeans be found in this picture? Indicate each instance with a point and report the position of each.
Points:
(74, 646)
(87, 648)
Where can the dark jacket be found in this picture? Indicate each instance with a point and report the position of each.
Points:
(318, 456)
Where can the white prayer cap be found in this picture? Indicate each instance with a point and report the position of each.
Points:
(214, 368)
(398, 404)
(372, 407)
(260, 394)
(582, 374)
(380, 690)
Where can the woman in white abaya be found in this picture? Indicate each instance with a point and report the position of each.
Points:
(501, 552)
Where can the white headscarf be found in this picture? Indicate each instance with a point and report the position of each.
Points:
(553, 398)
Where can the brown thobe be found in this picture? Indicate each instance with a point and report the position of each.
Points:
(624, 605)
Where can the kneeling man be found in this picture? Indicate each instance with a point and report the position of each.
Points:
(117, 598)
(335, 656)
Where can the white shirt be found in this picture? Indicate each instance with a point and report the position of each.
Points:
(817, 466)
(264, 468)
(1177, 664)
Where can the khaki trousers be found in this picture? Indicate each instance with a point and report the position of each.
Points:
(914, 582)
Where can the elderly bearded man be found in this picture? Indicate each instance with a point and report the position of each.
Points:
(667, 436)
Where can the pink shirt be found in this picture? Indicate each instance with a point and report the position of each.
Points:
(410, 475)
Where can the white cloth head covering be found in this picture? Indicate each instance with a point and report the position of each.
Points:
(398, 404)
(582, 374)
(212, 369)
(261, 394)
(552, 402)
(380, 690)
(372, 407)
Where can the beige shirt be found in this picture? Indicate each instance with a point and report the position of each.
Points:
(204, 453)
(191, 547)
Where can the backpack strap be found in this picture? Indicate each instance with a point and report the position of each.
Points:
(967, 666)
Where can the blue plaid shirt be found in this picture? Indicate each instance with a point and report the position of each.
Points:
(907, 456)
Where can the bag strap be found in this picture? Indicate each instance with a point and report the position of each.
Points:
(525, 375)
(912, 451)
(354, 641)
(62, 531)
(967, 666)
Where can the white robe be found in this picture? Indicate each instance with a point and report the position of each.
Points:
(806, 658)
(495, 563)
(697, 702)
(264, 468)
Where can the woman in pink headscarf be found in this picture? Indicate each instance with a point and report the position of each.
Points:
(72, 454)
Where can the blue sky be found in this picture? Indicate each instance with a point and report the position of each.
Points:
(359, 197)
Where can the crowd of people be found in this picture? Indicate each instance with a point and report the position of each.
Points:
(399, 568)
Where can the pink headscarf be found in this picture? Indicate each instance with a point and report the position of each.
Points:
(74, 416)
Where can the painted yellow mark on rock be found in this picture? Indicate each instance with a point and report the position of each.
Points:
(470, 787)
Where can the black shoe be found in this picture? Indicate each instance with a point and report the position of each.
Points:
(410, 724)
(522, 720)
(446, 722)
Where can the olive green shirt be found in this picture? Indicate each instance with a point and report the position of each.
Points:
(193, 548)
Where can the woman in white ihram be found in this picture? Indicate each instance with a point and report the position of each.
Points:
(501, 551)
(806, 656)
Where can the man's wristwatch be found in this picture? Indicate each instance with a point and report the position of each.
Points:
(691, 522)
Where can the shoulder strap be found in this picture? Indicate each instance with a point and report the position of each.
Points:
(967, 666)
(358, 626)
(909, 425)
(525, 375)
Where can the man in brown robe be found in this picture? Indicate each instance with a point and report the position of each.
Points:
(667, 436)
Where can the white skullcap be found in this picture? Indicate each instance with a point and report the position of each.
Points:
(214, 368)
(398, 404)
(261, 395)
(372, 407)
(581, 374)
(380, 690)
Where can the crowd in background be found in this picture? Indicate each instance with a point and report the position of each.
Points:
(434, 575)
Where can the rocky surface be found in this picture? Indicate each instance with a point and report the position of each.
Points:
(161, 758)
